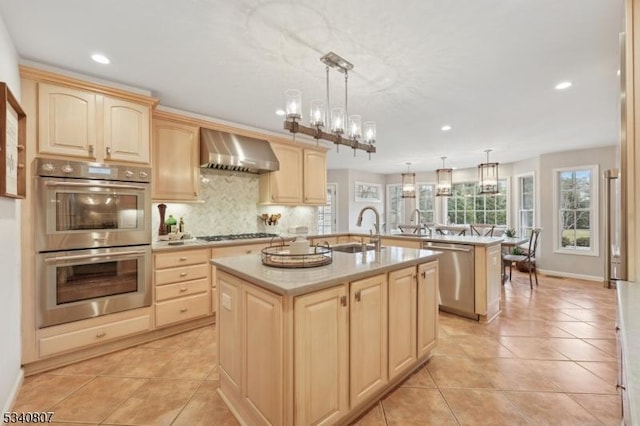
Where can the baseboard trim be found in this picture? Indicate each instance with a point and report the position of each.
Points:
(15, 389)
(570, 275)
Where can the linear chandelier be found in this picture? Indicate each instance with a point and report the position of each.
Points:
(356, 135)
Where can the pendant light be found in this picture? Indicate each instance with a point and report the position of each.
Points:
(408, 183)
(488, 176)
(444, 176)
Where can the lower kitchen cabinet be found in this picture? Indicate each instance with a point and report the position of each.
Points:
(427, 296)
(402, 320)
(182, 285)
(488, 280)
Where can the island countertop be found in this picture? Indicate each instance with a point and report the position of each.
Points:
(344, 267)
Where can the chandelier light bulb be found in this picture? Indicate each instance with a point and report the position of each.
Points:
(369, 132)
(293, 102)
(337, 120)
(317, 113)
(355, 126)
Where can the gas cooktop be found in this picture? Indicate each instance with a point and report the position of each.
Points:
(236, 236)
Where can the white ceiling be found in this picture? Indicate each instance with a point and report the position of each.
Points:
(487, 68)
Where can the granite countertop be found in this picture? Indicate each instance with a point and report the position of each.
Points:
(345, 267)
(629, 322)
(195, 243)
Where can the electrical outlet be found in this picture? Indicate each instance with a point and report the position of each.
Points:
(226, 301)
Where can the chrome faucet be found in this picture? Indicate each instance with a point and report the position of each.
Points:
(376, 240)
(417, 217)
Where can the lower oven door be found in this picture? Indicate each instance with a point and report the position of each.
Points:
(80, 284)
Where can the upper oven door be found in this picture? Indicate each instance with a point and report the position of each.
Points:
(79, 213)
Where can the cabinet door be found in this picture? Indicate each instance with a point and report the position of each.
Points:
(126, 131)
(285, 185)
(263, 343)
(66, 121)
(368, 337)
(427, 307)
(315, 177)
(402, 320)
(229, 330)
(175, 161)
(321, 357)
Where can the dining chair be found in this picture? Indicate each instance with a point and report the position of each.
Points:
(482, 230)
(529, 258)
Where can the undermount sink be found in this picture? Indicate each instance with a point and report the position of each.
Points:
(353, 248)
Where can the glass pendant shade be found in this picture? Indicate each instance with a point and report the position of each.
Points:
(355, 127)
(293, 102)
(444, 183)
(337, 120)
(317, 114)
(369, 132)
(408, 185)
(488, 177)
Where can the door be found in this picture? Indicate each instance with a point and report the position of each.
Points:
(427, 307)
(321, 339)
(126, 131)
(402, 321)
(368, 337)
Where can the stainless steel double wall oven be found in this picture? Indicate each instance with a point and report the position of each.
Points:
(93, 237)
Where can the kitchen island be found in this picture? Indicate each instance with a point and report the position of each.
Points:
(329, 340)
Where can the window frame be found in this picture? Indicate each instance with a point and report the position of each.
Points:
(594, 195)
(507, 186)
(435, 202)
(519, 201)
(389, 211)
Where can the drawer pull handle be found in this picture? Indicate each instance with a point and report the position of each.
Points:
(183, 258)
(183, 310)
(100, 334)
(249, 251)
(183, 289)
(183, 274)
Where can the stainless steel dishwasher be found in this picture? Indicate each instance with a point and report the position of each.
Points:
(457, 278)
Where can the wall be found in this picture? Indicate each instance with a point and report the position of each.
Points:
(10, 289)
(341, 179)
(229, 207)
(590, 267)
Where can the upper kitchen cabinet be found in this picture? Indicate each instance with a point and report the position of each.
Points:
(302, 178)
(175, 156)
(90, 121)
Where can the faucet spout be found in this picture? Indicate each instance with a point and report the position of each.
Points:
(375, 240)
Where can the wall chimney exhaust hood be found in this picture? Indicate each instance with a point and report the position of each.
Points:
(226, 151)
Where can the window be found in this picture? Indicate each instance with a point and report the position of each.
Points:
(576, 221)
(526, 203)
(327, 213)
(467, 206)
(395, 207)
(426, 202)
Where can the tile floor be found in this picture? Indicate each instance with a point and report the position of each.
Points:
(550, 358)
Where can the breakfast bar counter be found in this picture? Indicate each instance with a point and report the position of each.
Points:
(329, 340)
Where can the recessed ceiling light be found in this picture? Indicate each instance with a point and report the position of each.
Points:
(279, 112)
(618, 72)
(563, 85)
(445, 128)
(101, 59)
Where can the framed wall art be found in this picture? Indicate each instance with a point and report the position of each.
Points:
(371, 192)
(13, 127)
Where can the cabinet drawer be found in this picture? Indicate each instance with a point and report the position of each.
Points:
(186, 273)
(239, 250)
(77, 339)
(187, 288)
(182, 309)
(181, 258)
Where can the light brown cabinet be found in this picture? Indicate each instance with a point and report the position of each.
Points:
(75, 122)
(427, 298)
(368, 337)
(175, 159)
(302, 178)
(402, 320)
(488, 281)
(182, 286)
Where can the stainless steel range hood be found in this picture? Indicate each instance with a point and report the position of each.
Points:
(226, 151)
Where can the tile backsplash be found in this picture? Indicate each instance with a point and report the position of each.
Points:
(229, 206)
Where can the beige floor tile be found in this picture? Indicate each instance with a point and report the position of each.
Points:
(605, 407)
(214, 374)
(91, 367)
(607, 346)
(572, 378)
(532, 347)
(205, 408)
(140, 362)
(448, 347)
(482, 347)
(157, 402)
(374, 417)
(188, 364)
(607, 371)
(585, 330)
(97, 399)
(457, 372)
(515, 374)
(579, 350)
(526, 328)
(420, 379)
(41, 392)
(188, 339)
(401, 407)
(548, 408)
(483, 407)
(590, 315)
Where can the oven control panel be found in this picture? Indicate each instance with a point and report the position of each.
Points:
(83, 170)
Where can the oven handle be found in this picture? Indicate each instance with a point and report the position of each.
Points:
(90, 256)
(89, 185)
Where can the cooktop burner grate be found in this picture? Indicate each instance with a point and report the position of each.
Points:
(237, 236)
